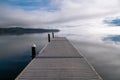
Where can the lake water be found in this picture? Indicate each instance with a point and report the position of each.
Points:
(15, 53)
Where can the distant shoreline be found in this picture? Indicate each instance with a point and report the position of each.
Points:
(21, 31)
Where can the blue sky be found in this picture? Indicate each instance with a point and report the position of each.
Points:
(30, 4)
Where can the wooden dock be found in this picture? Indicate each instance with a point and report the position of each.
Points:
(59, 60)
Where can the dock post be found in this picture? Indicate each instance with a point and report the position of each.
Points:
(52, 34)
(33, 51)
(48, 37)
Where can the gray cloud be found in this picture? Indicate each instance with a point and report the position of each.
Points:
(69, 11)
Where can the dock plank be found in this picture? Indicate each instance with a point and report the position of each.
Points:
(59, 61)
(60, 47)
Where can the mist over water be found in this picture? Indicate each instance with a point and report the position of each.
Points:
(104, 58)
(102, 53)
(15, 53)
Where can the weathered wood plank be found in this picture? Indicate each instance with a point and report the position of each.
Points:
(60, 47)
(59, 61)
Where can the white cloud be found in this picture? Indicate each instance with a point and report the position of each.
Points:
(69, 13)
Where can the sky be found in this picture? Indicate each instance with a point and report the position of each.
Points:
(87, 17)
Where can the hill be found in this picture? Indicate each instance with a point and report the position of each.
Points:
(20, 31)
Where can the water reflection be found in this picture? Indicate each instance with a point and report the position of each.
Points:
(113, 38)
(105, 58)
(100, 50)
(15, 52)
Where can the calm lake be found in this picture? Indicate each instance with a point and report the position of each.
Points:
(15, 53)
